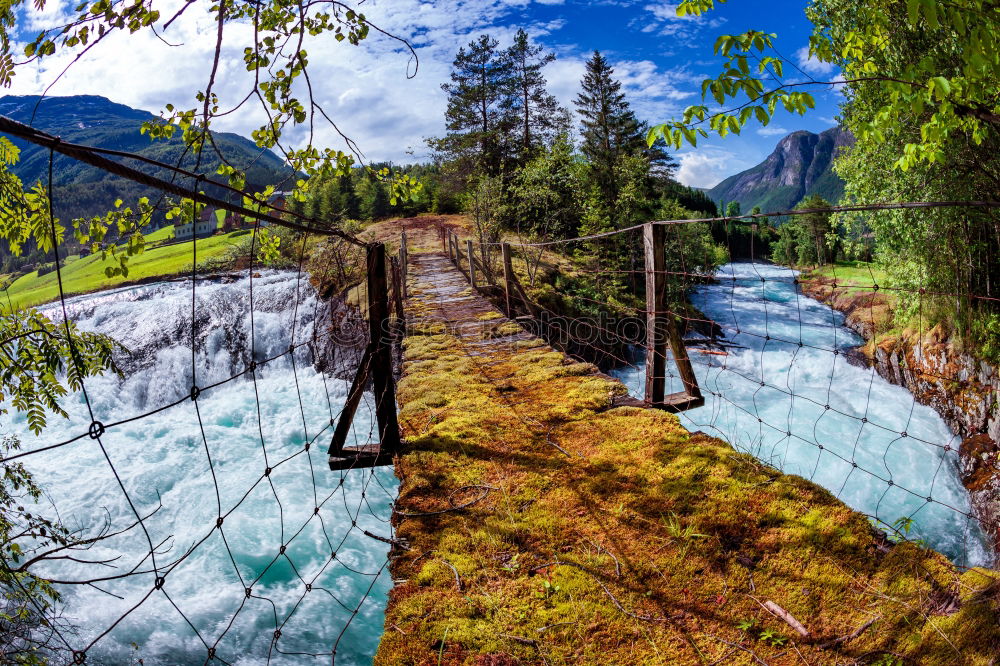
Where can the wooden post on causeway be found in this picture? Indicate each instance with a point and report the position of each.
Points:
(472, 263)
(508, 276)
(376, 363)
(656, 306)
(484, 252)
(378, 329)
(661, 329)
(398, 284)
(403, 259)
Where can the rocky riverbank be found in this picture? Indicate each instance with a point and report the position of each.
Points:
(961, 388)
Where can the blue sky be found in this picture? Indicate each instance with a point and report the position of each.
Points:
(660, 59)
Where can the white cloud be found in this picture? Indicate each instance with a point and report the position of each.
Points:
(364, 89)
(667, 23)
(811, 64)
(707, 166)
(773, 131)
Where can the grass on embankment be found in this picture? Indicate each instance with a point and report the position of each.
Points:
(86, 274)
(850, 276)
(544, 527)
(856, 288)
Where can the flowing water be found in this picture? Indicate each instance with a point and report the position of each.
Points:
(162, 460)
(769, 397)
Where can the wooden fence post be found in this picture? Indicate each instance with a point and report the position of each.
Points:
(484, 252)
(378, 329)
(472, 263)
(404, 258)
(508, 276)
(661, 330)
(656, 316)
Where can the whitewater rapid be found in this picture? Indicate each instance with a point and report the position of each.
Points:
(769, 397)
(162, 461)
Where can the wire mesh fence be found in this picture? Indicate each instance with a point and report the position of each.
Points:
(199, 517)
(200, 489)
(776, 373)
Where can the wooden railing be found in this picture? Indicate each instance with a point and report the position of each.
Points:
(661, 327)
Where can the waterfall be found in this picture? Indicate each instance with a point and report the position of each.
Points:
(247, 425)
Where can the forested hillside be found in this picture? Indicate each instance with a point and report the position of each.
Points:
(81, 190)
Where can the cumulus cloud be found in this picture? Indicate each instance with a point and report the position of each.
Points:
(811, 64)
(707, 166)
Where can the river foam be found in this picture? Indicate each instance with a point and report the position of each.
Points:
(874, 447)
(316, 601)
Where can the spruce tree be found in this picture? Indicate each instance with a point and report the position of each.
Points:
(533, 112)
(609, 129)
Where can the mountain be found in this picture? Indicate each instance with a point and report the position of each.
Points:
(800, 165)
(80, 189)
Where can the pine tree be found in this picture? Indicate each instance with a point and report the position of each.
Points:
(533, 111)
(477, 106)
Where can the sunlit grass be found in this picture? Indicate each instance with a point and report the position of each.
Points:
(87, 274)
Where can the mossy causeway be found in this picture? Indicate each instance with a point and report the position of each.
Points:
(541, 524)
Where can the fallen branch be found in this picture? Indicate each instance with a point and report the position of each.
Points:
(854, 634)
(740, 647)
(458, 581)
(398, 543)
(486, 491)
(787, 617)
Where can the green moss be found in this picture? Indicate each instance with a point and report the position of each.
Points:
(577, 501)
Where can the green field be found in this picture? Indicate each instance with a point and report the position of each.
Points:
(87, 274)
(161, 234)
(860, 275)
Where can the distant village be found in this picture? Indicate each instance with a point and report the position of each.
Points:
(215, 220)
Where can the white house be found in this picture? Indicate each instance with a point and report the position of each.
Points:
(201, 228)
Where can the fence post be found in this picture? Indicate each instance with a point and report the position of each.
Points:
(484, 252)
(472, 263)
(661, 329)
(508, 276)
(404, 258)
(656, 315)
(381, 368)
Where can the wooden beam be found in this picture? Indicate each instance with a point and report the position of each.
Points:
(404, 261)
(397, 300)
(472, 263)
(508, 276)
(656, 306)
(378, 327)
(661, 331)
(682, 359)
(351, 404)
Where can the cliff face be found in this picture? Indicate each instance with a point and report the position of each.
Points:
(82, 190)
(800, 165)
(960, 387)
